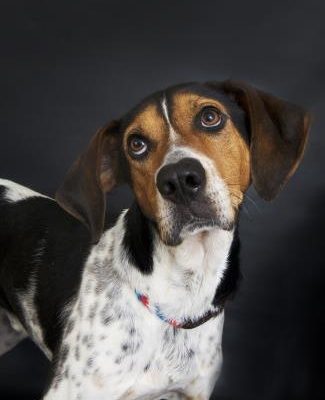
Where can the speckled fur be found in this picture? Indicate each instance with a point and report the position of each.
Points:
(116, 349)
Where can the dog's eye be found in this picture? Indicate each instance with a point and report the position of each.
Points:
(138, 146)
(210, 117)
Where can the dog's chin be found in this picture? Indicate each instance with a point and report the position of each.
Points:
(178, 233)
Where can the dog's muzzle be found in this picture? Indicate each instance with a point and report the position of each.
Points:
(183, 185)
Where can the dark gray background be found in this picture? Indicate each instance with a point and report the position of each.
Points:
(67, 67)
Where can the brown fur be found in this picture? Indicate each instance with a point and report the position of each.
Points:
(227, 148)
(152, 125)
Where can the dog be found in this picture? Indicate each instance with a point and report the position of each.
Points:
(135, 310)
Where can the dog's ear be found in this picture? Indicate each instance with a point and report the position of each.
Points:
(94, 173)
(278, 132)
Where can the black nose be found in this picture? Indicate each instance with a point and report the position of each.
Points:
(181, 182)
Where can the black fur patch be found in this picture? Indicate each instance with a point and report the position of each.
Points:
(232, 275)
(2, 194)
(39, 239)
(138, 239)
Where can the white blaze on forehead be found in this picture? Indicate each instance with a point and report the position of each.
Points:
(172, 133)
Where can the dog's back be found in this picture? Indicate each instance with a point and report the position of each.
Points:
(42, 250)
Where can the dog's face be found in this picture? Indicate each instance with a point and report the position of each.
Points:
(189, 153)
(188, 161)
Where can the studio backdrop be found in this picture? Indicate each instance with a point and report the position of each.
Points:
(68, 67)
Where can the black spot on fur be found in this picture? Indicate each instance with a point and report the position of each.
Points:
(166, 336)
(190, 353)
(85, 339)
(77, 353)
(147, 366)
(70, 326)
(105, 314)
(88, 340)
(106, 320)
(66, 373)
(138, 239)
(92, 311)
(64, 354)
(90, 362)
(125, 347)
(132, 331)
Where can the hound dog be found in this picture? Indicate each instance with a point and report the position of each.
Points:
(135, 310)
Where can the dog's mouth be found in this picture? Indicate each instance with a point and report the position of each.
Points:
(199, 224)
(188, 221)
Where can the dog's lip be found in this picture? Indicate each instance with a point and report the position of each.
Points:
(200, 223)
(197, 215)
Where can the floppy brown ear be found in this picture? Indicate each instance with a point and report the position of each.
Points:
(94, 173)
(278, 131)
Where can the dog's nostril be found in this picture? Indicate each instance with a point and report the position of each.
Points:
(169, 188)
(193, 181)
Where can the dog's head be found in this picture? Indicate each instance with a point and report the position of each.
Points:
(189, 153)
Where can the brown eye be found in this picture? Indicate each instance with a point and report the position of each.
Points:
(210, 117)
(137, 145)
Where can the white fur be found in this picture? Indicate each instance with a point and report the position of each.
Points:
(29, 309)
(173, 136)
(15, 192)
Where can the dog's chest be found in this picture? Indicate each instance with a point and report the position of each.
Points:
(115, 348)
(122, 351)
(178, 359)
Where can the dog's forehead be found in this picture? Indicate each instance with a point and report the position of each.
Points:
(196, 91)
(181, 101)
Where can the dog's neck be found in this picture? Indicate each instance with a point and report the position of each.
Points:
(185, 278)
(181, 281)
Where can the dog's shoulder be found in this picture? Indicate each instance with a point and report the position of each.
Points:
(19, 203)
(28, 218)
(27, 210)
(18, 206)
